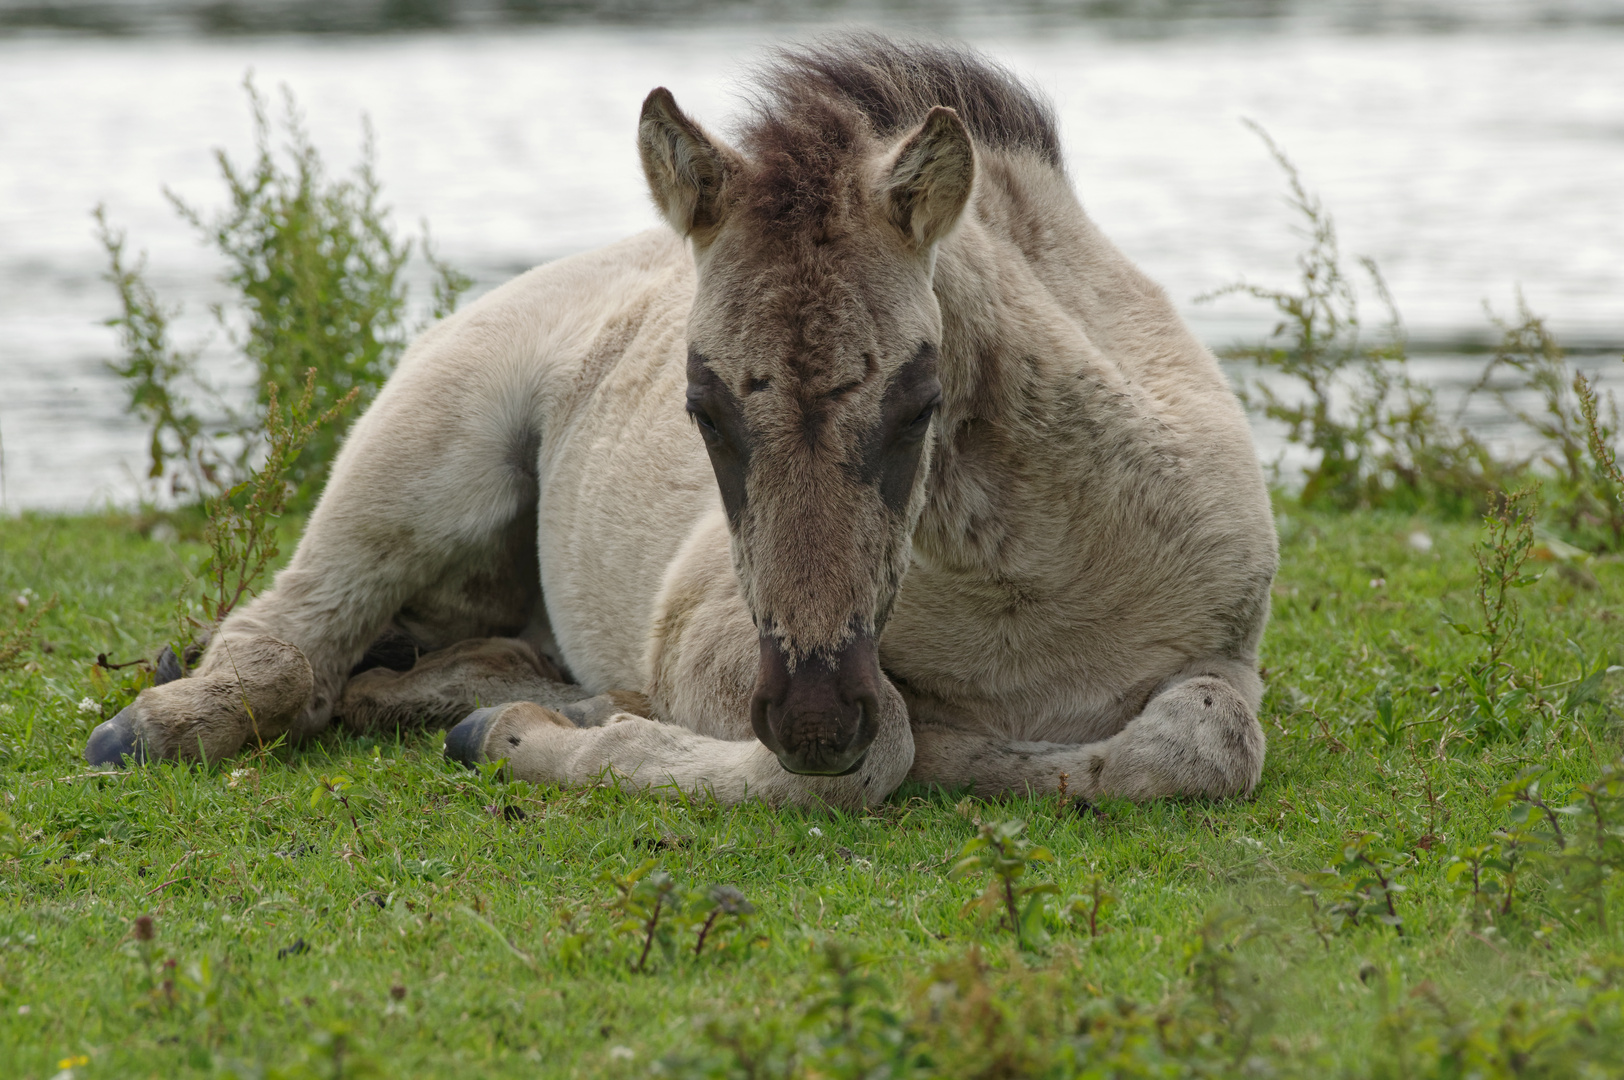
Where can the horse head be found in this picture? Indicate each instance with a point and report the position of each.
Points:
(812, 380)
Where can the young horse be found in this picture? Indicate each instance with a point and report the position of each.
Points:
(882, 463)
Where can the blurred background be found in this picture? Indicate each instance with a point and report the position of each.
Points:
(1470, 147)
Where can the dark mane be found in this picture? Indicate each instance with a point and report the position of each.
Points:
(815, 105)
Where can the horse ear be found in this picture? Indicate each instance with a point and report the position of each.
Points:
(687, 170)
(930, 178)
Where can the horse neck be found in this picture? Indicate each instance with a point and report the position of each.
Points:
(996, 395)
(1033, 300)
(1018, 282)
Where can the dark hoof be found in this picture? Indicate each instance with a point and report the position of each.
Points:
(466, 742)
(168, 668)
(114, 741)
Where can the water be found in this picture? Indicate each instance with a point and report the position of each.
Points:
(1466, 164)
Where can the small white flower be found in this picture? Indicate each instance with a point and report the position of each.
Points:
(88, 705)
(7, 709)
(814, 831)
(622, 1053)
(1378, 582)
(1420, 541)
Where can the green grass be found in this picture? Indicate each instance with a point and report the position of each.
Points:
(466, 932)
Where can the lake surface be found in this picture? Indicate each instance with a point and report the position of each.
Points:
(1466, 163)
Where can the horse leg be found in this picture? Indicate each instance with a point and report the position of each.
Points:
(428, 489)
(544, 746)
(1197, 736)
(444, 685)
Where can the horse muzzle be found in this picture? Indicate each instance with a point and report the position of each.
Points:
(819, 718)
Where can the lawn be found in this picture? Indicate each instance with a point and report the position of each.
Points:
(353, 907)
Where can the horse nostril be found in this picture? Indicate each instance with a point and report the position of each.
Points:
(868, 711)
(762, 724)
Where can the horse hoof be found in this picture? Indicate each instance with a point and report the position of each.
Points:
(168, 668)
(465, 743)
(114, 741)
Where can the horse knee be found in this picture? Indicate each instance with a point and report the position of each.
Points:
(597, 711)
(1198, 737)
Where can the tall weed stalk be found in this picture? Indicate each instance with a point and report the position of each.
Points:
(241, 531)
(1375, 433)
(1583, 489)
(18, 640)
(1599, 438)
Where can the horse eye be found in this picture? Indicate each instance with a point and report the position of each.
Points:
(706, 424)
(924, 415)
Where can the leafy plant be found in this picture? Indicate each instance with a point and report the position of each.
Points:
(1386, 445)
(1004, 855)
(1089, 908)
(718, 904)
(1472, 872)
(1597, 437)
(646, 894)
(1575, 866)
(162, 382)
(1388, 726)
(1522, 795)
(1224, 984)
(317, 271)
(1591, 867)
(1360, 887)
(1583, 488)
(1370, 870)
(339, 789)
(1583, 861)
(317, 267)
(655, 906)
(1500, 555)
(854, 1032)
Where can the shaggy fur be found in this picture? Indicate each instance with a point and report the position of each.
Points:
(956, 494)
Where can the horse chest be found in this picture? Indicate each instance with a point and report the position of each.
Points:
(1007, 645)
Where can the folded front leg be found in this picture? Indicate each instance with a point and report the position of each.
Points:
(1198, 736)
(443, 686)
(543, 746)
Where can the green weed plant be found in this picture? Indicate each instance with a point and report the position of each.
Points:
(1575, 425)
(316, 273)
(1376, 435)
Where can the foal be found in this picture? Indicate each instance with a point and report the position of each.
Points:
(880, 463)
